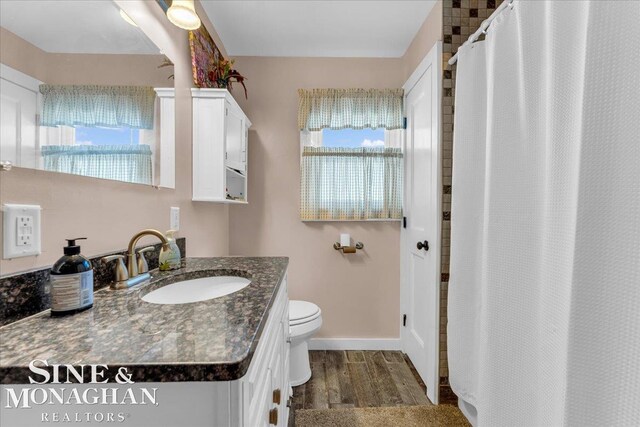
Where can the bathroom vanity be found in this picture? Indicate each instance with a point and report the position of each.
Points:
(216, 362)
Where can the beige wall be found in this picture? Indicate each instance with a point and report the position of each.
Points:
(109, 212)
(135, 70)
(430, 32)
(21, 55)
(99, 69)
(359, 294)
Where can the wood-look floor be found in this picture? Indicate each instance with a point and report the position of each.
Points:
(347, 379)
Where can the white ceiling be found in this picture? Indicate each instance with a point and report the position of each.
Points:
(317, 28)
(71, 26)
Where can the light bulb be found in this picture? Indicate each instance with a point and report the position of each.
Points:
(182, 14)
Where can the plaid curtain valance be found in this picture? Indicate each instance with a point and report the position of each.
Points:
(88, 105)
(350, 108)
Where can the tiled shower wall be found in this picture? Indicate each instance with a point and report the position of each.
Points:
(461, 18)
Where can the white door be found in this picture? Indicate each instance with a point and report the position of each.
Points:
(420, 263)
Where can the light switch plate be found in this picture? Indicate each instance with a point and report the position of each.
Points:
(21, 231)
(174, 220)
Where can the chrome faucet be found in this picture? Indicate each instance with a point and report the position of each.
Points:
(136, 270)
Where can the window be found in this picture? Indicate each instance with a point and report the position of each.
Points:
(351, 174)
(352, 138)
(99, 131)
(351, 154)
(120, 154)
(106, 136)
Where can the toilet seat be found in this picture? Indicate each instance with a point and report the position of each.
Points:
(301, 312)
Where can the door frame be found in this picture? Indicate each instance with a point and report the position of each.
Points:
(432, 59)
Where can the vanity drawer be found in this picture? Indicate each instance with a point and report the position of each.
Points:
(267, 340)
(265, 374)
(270, 382)
(275, 394)
(268, 408)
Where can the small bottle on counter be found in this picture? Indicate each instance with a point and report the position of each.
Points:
(71, 281)
(170, 259)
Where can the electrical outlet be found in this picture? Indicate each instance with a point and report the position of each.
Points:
(21, 231)
(24, 230)
(174, 219)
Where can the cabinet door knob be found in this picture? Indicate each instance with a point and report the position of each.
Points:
(276, 396)
(273, 416)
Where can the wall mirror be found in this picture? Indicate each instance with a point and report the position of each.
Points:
(81, 93)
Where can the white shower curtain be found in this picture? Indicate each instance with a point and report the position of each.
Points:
(544, 294)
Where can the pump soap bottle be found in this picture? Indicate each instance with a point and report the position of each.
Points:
(170, 259)
(71, 281)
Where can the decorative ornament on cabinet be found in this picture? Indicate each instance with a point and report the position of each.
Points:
(223, 75)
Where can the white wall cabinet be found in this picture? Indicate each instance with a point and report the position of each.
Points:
(220, 136)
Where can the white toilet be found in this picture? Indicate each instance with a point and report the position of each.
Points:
(305, 318)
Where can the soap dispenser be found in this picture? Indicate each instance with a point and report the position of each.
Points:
(71, 281)
(170, 259)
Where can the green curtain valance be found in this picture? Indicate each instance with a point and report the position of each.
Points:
(109, 106)
(350, 108)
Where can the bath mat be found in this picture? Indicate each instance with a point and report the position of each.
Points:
(397, 416)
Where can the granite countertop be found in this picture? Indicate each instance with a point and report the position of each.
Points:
(210, 340)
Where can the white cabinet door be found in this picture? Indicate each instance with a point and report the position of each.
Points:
(245, 140)
(208, 150)
(235, 135)
(278, 394)
(18, 125)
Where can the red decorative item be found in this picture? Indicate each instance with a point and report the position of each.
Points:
(223, 75)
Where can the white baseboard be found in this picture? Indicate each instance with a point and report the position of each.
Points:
(354, 344)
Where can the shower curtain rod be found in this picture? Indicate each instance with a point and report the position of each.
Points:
(483, 28)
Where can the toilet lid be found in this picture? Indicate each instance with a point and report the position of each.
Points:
(301, 310)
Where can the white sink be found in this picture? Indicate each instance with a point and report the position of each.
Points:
(196, 290)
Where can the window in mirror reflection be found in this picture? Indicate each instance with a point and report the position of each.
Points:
(109, 153)
(99, 131)
(76, 93)
(106, 136)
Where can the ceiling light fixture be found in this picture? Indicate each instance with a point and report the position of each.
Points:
(127, 18)
(182, 14)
